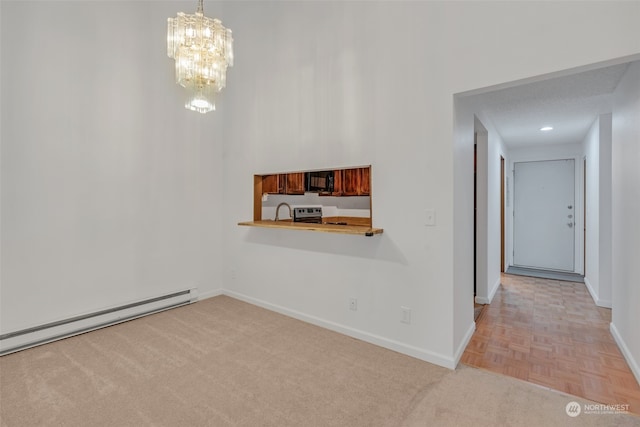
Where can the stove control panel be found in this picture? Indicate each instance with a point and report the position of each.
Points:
(307, 214)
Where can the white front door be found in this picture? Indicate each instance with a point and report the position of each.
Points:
(544, 215)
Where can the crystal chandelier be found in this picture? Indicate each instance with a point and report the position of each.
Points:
(202, 49)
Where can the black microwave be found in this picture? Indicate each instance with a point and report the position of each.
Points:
(319, 182)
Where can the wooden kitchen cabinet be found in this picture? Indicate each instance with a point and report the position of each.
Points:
(270, 184)
(337, 183)
(365, 182)
(346, 182)
(352, 182)
(294, 183)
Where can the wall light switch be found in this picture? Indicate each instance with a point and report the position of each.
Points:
(429, 217)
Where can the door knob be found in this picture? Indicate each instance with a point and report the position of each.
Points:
(570, 207)
(569, 216)
(570, 224)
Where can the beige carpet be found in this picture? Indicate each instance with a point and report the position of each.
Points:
(222, 362)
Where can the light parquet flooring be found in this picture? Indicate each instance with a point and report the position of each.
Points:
(550, 332)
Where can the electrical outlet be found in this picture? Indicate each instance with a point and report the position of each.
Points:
(429, 217)
(405, 315)
(353, 304)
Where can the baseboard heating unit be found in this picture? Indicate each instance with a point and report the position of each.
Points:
(42, 334)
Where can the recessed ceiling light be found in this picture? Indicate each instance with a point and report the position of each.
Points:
(546, 128)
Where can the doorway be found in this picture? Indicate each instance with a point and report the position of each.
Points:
(544, 215)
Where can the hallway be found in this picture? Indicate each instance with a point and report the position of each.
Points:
(550, 332)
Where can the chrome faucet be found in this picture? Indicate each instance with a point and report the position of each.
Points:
(278, 209)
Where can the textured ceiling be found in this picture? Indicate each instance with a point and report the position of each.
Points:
(570, 104)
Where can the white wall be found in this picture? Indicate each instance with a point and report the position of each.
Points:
(120, 198)
(625, 214)
(489, 149)
(110, 187)
(319, 84)
(490, 195)
(324, 99)
(592, 220)
(605, 214)
(496, 150)
(597, 153)
(482, 217)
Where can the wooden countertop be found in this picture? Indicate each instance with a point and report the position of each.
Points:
(323, 228)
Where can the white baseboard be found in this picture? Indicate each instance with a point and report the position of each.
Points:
(604, 303)
(418, 353)
(599, 302)
(492, 293)
(592, 292)
(633, 364)
(465, 341)
(210, 294)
